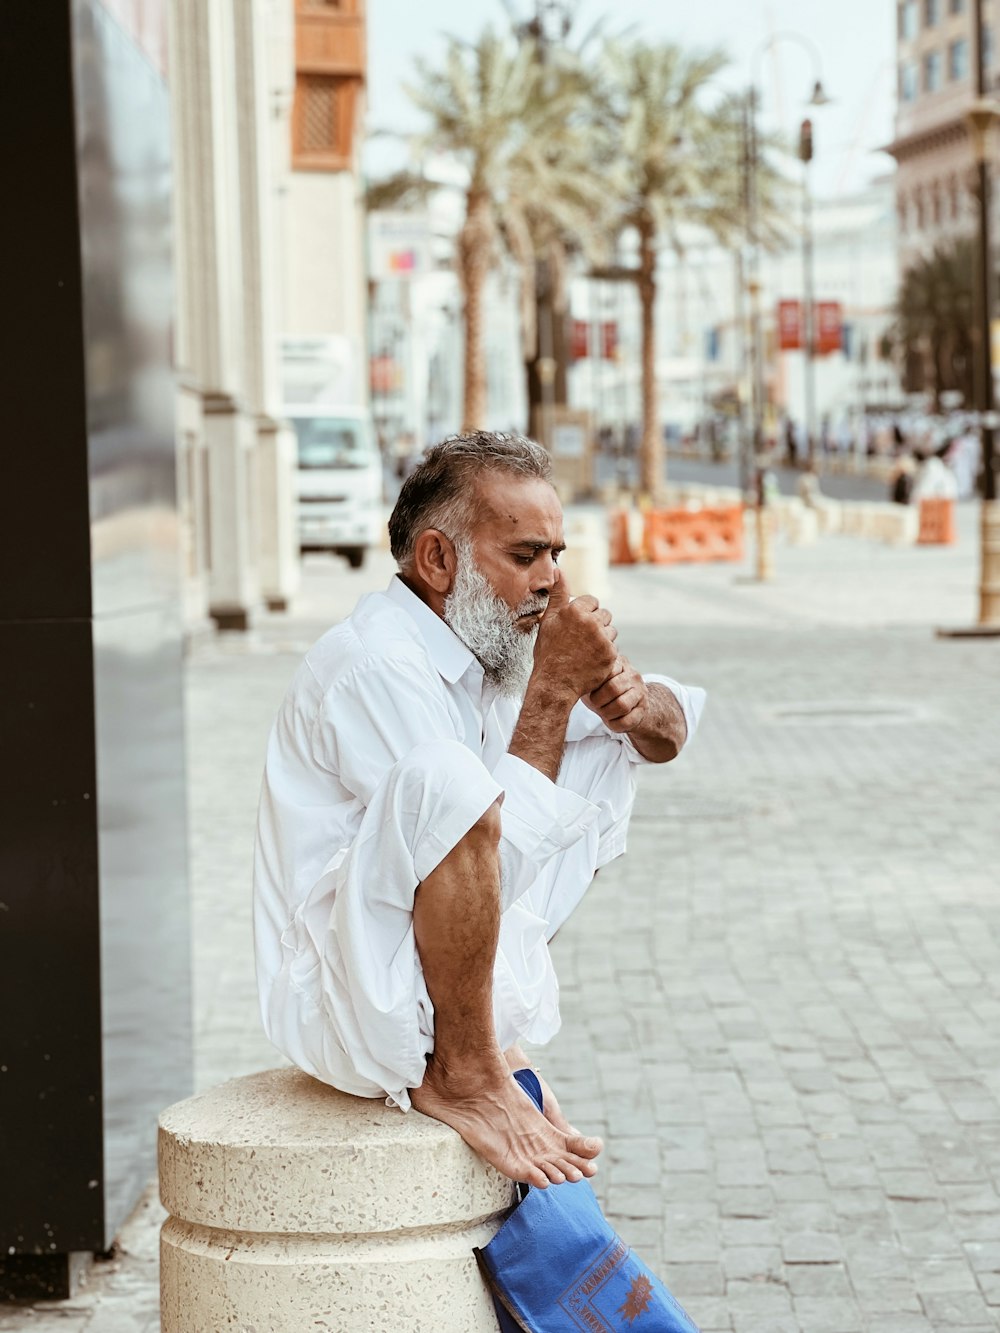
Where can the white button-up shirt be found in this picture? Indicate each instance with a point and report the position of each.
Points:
(337, 860)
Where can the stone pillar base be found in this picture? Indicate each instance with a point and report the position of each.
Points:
(236, 619)
(294, 1206)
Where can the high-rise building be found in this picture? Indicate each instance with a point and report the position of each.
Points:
(936, 59)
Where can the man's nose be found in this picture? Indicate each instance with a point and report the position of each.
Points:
(545, 579)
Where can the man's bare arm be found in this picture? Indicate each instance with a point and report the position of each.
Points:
(649, 715)
(661, 734)
(540, 735)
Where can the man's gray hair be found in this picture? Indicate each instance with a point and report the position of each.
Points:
(442, 491)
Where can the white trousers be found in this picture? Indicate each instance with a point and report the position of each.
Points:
(350, 1005)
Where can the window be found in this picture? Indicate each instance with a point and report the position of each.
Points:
(333, 442)
(956, 6)
(958, 60)
(932, 13)
(908, 81)
(908, 20)
(323, 122)
(987, 40)
(932, 71)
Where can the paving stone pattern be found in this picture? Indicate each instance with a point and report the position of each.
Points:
(782, 1007)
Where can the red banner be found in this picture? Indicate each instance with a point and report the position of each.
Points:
(790, 326)
(579, 339)
(828, 331)
(580, 336)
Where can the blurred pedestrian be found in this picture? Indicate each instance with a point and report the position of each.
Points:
(791, 443)
(963, 458)
(934, 480)
(901, 480)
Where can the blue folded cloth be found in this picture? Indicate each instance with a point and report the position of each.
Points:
(556, 1266)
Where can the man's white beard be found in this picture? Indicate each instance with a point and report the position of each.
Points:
(486, 625)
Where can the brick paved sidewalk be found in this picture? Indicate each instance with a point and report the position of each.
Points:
(782, 1007)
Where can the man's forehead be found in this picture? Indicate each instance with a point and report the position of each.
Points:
(525, 507)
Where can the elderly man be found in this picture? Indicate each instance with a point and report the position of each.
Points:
(450, 767)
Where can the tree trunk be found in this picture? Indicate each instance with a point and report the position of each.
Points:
(550, 345)
(474, 245)
(651, 447)
(937, 355)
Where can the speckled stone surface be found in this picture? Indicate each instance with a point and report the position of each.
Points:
(412, 1283)
(295, 1206)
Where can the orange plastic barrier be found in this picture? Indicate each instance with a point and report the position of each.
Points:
(676, 535)
(621, 552)
(937, 523)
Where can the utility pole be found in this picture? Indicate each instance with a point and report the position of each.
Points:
(981, 119)
(982, 116)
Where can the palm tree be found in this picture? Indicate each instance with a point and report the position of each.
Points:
(933, 321)
(495, 108)
(651, 106)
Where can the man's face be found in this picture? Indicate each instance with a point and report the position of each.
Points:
(518, 541)
(505, 572)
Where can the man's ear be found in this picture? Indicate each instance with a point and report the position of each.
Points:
(435, 560)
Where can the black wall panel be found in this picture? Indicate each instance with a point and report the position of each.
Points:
(94, 943)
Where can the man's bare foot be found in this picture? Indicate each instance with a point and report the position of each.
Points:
(486, 1106)
(516, 1059)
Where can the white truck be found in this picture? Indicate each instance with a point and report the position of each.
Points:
(339, 474)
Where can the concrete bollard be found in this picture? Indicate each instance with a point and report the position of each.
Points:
(585, 560)
(802, 526)
(293, 1206)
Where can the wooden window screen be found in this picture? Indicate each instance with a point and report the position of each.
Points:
(323, 122)
(318, 123)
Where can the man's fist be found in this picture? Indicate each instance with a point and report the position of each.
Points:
(622, 699)
(575, 649)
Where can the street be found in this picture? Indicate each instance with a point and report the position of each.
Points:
(782, 1006)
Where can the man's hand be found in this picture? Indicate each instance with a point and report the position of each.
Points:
(649, 715)
(574, 652)
(574, 655)
(622, 701)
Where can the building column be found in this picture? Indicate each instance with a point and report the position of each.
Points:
(214, 311)
(274, 460)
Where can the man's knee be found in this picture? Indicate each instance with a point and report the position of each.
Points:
(487, 828)
(442, 795)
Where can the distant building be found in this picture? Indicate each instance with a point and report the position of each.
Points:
(268, 100)
(323, 246)
(936, 59)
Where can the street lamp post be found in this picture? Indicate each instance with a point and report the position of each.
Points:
(808, 295)
(758, 386)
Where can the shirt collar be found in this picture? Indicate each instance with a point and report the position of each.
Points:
(448, 653)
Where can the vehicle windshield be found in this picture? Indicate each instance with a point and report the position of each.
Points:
(332, 442)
